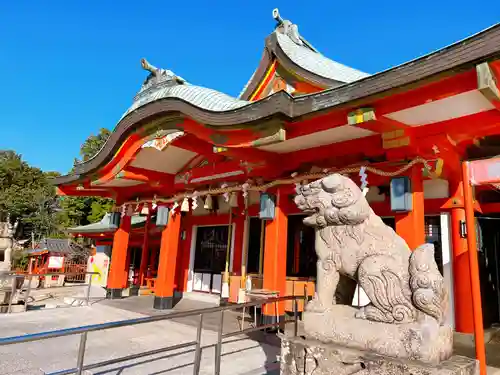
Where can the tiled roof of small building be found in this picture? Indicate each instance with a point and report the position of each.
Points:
(54, 245)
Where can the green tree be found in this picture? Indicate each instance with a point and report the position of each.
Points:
(26, 195)
(85, 210)
(93, 144)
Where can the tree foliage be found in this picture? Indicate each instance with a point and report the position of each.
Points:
(93, 144)
(85, 210)
(26, 195)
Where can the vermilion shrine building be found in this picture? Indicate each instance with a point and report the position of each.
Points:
(213, 160)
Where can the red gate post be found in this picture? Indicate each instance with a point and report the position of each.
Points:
(474, 269)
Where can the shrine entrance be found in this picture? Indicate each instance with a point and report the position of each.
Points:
(210, 258)
(301, 254)
(488, 245)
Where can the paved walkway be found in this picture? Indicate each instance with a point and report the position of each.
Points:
(241, 355)
(246, 355)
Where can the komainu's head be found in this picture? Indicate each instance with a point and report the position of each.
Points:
(332, 200)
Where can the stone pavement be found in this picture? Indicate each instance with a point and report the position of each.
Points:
(256, 354)
(246, 355)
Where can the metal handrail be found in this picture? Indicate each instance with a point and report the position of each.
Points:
(84, 330)
(29, 277)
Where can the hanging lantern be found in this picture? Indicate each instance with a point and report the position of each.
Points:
(233, 199)
(209, 204)
(114, 219)
(185, 205)
(267, 207)
(162, 216)
(401, 194)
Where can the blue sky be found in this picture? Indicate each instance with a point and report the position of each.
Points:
(68, 68)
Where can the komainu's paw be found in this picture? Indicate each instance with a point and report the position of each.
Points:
(315, 305)
(370, 312)
(360, 314)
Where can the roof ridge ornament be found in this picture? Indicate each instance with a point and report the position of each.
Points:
(157, 79)
(287, 28)
(159, 73)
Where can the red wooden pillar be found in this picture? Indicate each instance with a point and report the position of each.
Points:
(239, 223)
(145, 249)
(275, 258)
(411, 225)
(474, 269)
(462, 295)
(164, 286)
(118, 274)
(182, 269)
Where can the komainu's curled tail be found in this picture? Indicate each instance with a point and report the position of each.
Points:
(427, 284)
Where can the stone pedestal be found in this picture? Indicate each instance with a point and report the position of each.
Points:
(311, 357)
(424, 341)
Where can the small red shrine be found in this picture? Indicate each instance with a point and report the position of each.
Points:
(215, 175)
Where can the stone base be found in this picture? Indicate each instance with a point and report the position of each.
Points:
(133, 291)
(424, 341)
(307, 357)
(163, 303)
(114, 293)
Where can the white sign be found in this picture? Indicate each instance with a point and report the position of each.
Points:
(56, 262)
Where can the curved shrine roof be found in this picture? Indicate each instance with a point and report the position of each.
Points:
(317, 63)
(163, 84)
(164, 93)
(297, 55)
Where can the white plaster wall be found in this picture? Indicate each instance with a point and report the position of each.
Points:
(447, 264)
(191, 259)
(436, 188)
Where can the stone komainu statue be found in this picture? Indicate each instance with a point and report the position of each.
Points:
(403, 286)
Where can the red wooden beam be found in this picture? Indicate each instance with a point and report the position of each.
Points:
(146, 175)
(443, 88)
(193, 143)
(371, 146)
(77, 192)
